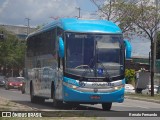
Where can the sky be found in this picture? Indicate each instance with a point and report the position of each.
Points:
(41, 12)
(14, 12)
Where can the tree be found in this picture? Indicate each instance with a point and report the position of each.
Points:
(12, 52)
(118, 11)
(143, 16)
(147, 19)
(130, 75)
(158, 46)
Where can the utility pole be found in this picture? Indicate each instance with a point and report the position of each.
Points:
(79, 9)
(154, 50)
(28, 19)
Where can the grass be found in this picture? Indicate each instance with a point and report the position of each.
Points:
(155, 97)
(6, 105)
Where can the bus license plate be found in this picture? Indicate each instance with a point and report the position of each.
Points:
(95, 97)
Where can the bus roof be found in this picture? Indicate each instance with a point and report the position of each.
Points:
(80, 25)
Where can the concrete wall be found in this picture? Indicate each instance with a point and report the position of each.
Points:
(130, 64)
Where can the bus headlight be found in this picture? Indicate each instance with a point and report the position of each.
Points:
(74, 87)
(70, 85)
(118, 87)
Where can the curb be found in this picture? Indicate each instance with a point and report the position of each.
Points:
(142, 99)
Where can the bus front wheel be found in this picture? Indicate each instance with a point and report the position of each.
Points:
(106, 106)
(56, 103)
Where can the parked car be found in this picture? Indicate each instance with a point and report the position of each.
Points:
(148, 89)
(2, 81)
(14, 83)
(129, 88)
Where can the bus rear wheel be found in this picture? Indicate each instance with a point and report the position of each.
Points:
(106, 106)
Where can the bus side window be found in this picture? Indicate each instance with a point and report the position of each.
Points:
(30, 47)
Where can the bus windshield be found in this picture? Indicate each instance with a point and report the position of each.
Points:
(94, 55)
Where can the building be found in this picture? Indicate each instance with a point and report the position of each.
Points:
(20, 31)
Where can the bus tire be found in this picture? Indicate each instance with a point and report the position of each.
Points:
(106, 106)
(40, 100)
(57, 103)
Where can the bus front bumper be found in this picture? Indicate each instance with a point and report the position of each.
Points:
(73, 95)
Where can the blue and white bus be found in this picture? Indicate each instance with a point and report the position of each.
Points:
(76, 61)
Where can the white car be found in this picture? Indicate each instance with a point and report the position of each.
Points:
(148, 89)
(129, 88)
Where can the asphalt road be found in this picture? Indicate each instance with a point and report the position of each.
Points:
(127, 105)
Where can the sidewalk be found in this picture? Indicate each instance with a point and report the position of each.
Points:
(142, 99)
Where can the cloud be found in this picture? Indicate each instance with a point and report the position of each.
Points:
(39, 11)
(3, 6)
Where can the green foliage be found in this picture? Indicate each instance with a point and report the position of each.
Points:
(130, 75)
(140, 17)
(12, 51)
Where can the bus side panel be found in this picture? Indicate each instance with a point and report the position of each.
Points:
(47, 74)
(41, 62)
(59, 85)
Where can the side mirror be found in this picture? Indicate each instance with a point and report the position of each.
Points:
(128, 48)
(61, 47)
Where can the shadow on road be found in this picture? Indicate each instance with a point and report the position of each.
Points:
(49, 106)
(24, 99)
(66, 110)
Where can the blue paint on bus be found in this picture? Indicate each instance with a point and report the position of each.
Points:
(80, 25)
(75, 60)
